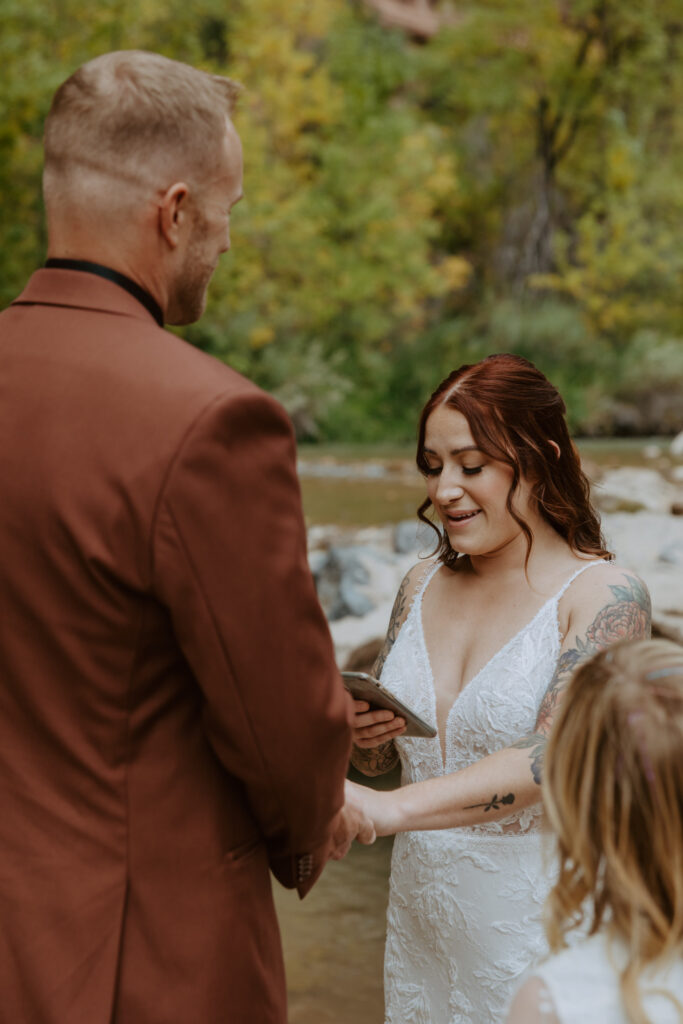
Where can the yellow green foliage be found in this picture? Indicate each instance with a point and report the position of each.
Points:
(515, 183)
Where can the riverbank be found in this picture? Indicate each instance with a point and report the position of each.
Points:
(358, 568)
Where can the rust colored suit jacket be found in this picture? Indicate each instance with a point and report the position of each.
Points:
(172, 723)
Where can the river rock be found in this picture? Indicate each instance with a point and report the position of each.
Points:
(412, 536)
(353, 580)
(631, 489)
(676, 447)
(648, 543)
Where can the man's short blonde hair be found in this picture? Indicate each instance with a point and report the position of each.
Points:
(134, 118)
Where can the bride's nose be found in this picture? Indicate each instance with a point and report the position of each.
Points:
(448, 489)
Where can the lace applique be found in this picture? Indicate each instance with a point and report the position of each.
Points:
(464, 917)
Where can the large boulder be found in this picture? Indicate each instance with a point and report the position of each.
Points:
(353, 580)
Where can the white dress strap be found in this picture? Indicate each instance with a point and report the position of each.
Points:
(568, 583)
(425, 579)
(428, 572)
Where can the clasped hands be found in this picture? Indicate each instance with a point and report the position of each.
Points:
(365, 815)
(352, 823)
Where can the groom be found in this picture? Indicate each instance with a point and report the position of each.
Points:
(172, 721)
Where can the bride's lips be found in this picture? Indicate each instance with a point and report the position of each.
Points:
(463, 517)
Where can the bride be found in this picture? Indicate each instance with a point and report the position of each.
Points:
(482, 643)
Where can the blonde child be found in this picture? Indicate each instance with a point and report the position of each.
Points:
(613, 791)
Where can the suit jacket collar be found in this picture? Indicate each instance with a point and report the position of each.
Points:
(77, 289)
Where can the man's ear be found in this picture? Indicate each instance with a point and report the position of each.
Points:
(174, 213)
(556, 448)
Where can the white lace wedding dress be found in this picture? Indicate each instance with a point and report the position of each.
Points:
(464, 921)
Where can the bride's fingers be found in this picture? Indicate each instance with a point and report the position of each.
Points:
(374, 736)
(371, 718)
(396, 725)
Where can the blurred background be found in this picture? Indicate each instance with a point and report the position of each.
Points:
(426, 183)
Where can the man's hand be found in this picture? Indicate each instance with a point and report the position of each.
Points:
(352, 823)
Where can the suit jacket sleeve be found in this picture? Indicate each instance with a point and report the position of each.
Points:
(230, 564)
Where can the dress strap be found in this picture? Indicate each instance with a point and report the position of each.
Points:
(425, 579)
(568, 583)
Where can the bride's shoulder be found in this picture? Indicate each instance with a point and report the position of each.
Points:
(417, 578)
(601, 576)
(604, 590)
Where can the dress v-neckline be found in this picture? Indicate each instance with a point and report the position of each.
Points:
(501, 650)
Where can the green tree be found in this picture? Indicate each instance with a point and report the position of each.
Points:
(514, 183)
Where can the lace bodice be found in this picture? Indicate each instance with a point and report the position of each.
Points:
(498, 706)
(464, 917)
(581, 986)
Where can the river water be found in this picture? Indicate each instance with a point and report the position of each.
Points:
(334, 940)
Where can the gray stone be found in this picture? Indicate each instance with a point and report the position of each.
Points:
(630, 489)
(352, 601)
(351, 579)
(413, 536)
(672, 554)
(676, 447)
(316, 562)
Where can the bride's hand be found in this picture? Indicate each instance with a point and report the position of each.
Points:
(380, 807)
(373, 728)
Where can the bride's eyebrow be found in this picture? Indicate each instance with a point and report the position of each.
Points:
(455, 451)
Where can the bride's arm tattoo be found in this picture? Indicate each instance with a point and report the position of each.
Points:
(375, 760)
(494, 804)
(379, 760)
(395, 623)
(627, 616)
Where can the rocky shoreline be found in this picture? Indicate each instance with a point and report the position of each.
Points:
(358, 571)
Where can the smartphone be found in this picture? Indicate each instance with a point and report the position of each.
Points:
(362, 686)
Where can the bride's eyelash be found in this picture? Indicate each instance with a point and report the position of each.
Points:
(467, 470)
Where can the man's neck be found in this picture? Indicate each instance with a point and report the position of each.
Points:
(109, 274)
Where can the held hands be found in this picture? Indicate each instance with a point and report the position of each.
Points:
(382, 809)
(364, 808)
(374, 728)
(352, 823)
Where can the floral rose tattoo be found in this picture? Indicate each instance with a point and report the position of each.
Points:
(627, 616)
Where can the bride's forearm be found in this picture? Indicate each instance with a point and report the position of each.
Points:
(488, 790)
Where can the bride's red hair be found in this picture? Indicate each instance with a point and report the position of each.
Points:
(514, 413)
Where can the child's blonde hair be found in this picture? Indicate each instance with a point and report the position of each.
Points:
(613, 790)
